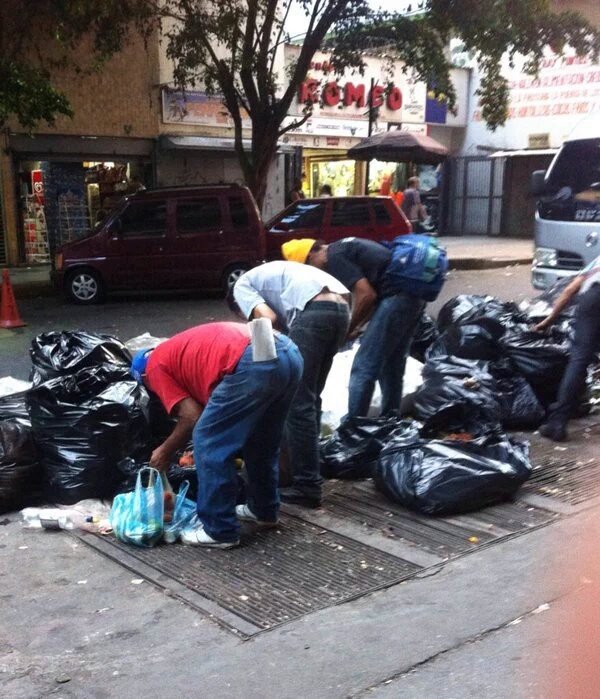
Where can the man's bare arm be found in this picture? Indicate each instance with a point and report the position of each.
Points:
(187, 413)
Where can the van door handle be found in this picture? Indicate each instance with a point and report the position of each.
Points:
(220, 232)
(592, 239)
(160, 249)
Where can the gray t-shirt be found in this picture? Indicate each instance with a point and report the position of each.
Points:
(286, 287)
(591, 274)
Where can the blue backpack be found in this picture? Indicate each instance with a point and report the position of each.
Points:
(418, 266)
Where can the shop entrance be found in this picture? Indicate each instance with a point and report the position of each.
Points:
(62, 200)
(332, 168)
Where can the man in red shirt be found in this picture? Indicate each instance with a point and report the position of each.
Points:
(228, 404)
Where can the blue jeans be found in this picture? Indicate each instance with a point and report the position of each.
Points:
(318, 331)
(382, 354)
(244, 414)
(586, 344)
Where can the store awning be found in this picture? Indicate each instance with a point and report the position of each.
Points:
(523, 153)
(211, 143)
(82, 147)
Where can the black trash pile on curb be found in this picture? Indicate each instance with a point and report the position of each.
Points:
(62, 440)
(485, 371)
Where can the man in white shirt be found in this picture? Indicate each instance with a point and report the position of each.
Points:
(313, 308)
(586, 344)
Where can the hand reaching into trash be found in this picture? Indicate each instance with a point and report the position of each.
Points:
(543, 326)
(160, 458)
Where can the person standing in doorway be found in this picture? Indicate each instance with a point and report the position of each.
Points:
(361, 265)
(313, 307)
(296, 192)
(326, 191)
(585, 289)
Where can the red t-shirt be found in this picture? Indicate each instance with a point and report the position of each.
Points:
(191, 364)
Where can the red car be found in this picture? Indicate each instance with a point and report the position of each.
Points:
(333, 218)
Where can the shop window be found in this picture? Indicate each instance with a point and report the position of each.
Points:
(382, 215)
(304, 215)
(144, 218)
(349, 212)
(197, 215)
(239, 212)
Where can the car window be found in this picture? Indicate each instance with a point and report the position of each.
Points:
(144, 218)
(577, 167)
(382, 215)
(239, 212)
(304, 214)
(197, 215)
(349, 212)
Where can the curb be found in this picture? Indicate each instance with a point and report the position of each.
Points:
(474, 263)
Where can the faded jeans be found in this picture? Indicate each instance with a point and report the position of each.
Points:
(245, 413)
(382, 354)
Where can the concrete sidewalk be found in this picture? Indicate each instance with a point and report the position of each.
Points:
(465, 252)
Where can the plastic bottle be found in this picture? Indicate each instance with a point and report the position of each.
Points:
(46, 518)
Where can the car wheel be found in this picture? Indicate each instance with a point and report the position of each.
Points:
(84, 286)
(232, 274)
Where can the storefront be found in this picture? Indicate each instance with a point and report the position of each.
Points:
(340, 119)
(66, 185)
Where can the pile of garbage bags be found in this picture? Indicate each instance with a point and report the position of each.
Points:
(488, 355)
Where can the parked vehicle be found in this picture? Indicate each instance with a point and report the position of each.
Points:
(567, 220)
(333, 218)
(172, 238)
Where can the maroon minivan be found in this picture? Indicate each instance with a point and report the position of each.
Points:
(333, 218)
(171, 238)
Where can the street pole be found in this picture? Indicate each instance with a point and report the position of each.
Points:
(370, 132)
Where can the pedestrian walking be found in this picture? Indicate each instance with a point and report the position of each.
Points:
(228, 404)
(585, 289)
(313, 307)
(361, 265)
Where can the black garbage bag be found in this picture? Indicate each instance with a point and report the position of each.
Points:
(20, 470)
(14, 407)
(520, 408)
(459, 421)
(58, 353)
(539, 307)
(352, 450)
(425, 335)
(449, 381)
(83, 425)
(470, 341)
(494, 315)
(541, 358)
(449, 477)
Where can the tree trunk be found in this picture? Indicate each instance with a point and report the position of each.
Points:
(264, 149)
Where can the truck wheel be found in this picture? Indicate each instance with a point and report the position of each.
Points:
(84, 286)
(232, 274)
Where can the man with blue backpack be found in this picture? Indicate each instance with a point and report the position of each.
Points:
(390, 285)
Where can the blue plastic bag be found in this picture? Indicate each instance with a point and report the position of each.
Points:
(137, 517)
(183, 513)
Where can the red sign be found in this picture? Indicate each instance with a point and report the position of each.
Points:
(37, 186)
(349, 95)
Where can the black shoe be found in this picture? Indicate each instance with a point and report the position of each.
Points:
(295, 496)
(553, 431)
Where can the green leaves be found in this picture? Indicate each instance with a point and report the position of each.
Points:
(27, 93)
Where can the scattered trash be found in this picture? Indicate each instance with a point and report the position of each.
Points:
(541, 608)
(82, 582)
(474, 539)
(22, 548)
(144, 341)
(62, 679)
(137, 581)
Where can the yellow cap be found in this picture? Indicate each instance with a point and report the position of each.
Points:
(297, 250)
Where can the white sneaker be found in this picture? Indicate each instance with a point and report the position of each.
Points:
(194, 535)
(245, 514)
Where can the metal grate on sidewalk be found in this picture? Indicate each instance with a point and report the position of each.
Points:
(274, 576)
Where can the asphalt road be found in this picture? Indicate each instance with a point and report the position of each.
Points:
(165, 315)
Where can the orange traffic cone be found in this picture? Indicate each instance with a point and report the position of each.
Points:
(9, 314)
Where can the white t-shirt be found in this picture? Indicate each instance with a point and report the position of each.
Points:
(286, 287)
(591, 273)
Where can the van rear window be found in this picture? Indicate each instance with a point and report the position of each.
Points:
(239, 212)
